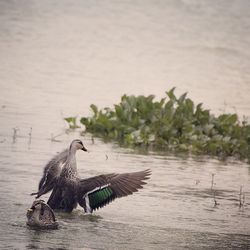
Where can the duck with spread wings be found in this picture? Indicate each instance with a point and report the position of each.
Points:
(61, 176)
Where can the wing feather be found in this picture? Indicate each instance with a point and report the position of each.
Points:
(98, 191)
(51, 173)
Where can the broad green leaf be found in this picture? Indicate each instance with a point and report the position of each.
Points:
(171, 94)
(173, 123)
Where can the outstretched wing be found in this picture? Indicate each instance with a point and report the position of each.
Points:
(50, 173)
(98, 191)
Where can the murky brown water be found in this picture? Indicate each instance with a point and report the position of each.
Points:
(58, 57)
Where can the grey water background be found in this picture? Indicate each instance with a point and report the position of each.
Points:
(58, 57)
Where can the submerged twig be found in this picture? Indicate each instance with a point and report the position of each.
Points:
(212, 182)
(215, 201)
(14, 134)
(241, 197)
(53, 137)
(30, 136)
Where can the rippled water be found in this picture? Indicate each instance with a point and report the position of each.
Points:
(58, 57)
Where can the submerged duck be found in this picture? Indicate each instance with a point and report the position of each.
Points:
(40, 215)
(61, 175)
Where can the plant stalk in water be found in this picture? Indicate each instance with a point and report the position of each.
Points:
(241, 197)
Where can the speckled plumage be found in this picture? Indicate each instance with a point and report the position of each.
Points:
(51, 173)
(92, 193)
(40, 215)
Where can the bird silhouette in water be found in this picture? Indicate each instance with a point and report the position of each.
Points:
(60, 175)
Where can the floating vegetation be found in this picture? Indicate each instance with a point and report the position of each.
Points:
(72, 122)
(173, 123)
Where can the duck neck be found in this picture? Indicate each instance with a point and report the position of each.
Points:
(71, 154)
(70, 165)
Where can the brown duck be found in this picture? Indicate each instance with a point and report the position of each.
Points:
(40, 215)
(61, 176)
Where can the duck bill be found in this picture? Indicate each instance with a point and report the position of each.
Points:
(31, 209)
(84, 149)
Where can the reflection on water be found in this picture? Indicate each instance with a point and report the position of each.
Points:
(59, 57)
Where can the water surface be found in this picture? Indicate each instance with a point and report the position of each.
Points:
(58, 57)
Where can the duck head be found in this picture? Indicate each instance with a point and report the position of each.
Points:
(77, 145)
(40, 215)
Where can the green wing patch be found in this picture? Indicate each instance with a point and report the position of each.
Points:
(100, 197)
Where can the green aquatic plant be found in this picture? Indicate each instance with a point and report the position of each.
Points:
(173, 123)
(72, 122)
